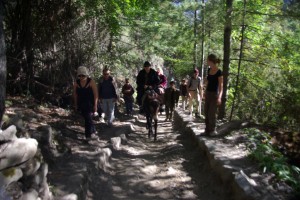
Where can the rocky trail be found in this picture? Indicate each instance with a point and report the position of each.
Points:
(123, 163)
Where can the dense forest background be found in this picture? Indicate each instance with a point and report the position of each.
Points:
(258, 41)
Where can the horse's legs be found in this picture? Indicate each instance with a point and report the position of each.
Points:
(155, 129)
(149, 124)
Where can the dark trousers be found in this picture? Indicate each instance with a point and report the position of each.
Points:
(88, 123)
(140, 94)
(128, 104)
(169, 111)
(210, 110)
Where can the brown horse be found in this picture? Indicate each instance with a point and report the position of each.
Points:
(151, 107)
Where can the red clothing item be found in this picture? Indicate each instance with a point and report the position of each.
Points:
(163, 81)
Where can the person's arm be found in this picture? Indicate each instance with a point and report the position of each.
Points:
(187, 88)
(200, 88)
(75, 95)
(220, 88)
(139, 80)
(116, 89)
(156, 80)
(205, 83)
(95, 92)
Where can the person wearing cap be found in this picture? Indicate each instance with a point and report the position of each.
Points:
(171, 99)
(183, 93)
(147, 78)
(128, 91)
(195, 93)
(85, 99)
(108, 96)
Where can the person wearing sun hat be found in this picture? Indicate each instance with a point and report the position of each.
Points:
(85, 95)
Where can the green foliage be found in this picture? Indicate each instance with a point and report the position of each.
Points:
(270, 158)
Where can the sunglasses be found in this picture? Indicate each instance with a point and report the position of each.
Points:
(106, 74)
(81, 76)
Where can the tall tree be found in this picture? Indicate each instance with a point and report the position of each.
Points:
(2, 65)
(226, 58)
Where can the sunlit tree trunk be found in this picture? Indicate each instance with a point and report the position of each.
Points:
(195, 36)
(2, 66)
(236, 92)
(226, 59)
(203, 39)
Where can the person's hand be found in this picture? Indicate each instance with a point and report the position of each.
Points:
(219, 101)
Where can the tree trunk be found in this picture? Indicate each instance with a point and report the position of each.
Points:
(27, 42)
(236, 92)
(203, 39)
(226, 60)
(195, 37)
(2, 65)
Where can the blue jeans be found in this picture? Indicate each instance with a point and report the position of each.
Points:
(108, 107)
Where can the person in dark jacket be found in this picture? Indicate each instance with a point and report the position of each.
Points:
(146, 78)
(171, 99)
(85, 99)
(108, 95)
(128, 91)
(183, 93)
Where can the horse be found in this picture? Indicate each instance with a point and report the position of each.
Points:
(151, 107)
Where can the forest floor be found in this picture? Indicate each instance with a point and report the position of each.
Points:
(138, 168)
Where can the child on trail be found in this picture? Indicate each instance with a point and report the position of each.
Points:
(183, 93)
(128, 91)
(170, 100)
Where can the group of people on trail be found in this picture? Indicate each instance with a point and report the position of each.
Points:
(90, 98)
(192, 90)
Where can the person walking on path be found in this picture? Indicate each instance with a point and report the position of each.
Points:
(128, 91)
(213, 94)
(146, 78)
(195, 93)
(170, 100)
(161, 88)
(183, 93)
(85, 99)
(108, 95)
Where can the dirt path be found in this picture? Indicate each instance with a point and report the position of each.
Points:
(171, 168)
